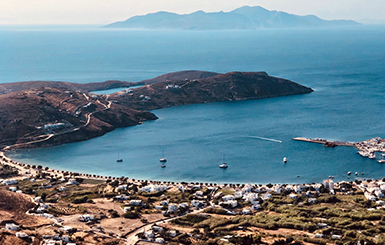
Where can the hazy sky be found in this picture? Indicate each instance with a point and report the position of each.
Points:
(107, 11)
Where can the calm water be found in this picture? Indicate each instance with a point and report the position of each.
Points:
(346, 67)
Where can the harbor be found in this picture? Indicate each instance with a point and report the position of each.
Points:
(367, 148)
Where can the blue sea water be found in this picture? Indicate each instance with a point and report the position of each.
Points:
(345, 67)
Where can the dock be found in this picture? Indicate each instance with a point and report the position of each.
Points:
(326, 143)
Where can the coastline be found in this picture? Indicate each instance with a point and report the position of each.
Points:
(23, 167)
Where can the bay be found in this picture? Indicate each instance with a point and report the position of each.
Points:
(345, 67)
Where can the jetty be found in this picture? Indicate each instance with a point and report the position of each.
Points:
(367, 148)
(326, 143)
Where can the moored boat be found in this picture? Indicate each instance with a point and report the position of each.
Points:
(163, 159)
(224, 164)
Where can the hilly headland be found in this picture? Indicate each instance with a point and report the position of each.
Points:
(37, 114)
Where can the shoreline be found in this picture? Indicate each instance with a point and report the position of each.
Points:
(34, 171)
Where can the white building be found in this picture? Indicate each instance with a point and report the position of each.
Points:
(265, 196)
(21, 235)
(292, 195)
(136, 202)
(197, 203)
(328, 184)
(159, 240)
(228, 198)
(86, 217)
(11, 226)
(172, 207)
(72, 182)
(164, 202)
(122, 187)
(10, 182)
(153, 188)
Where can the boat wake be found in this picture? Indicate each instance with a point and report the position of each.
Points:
(263, 138)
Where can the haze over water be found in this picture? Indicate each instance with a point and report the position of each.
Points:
(345, 67)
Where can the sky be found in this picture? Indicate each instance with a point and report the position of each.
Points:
(100, 12)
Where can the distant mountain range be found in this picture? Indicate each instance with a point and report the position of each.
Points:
(244, 18)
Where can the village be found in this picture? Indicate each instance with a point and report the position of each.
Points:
(71, 208)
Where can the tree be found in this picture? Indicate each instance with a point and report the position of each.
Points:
(43, 196)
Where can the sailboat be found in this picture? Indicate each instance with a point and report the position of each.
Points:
(382, 160)
(163, 159)
(224, 164)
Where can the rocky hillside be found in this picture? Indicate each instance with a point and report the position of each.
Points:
(222, 87)
(6, 88)
(45, 116)
(34, 115)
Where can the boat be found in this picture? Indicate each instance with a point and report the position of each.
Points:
(372, 156)
(119, 159)
(224, 164)
(382, 160)
(349, 173)
(163, 159)
(356, 173)
(285, 160)
(163, 166)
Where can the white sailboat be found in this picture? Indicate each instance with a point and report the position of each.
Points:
(224, 164)
(163, 159)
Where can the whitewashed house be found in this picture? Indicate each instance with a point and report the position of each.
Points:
(11, 226)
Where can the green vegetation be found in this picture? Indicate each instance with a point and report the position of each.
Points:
(7, 171)
(344, 215)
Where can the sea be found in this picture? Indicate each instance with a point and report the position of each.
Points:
(344, 66)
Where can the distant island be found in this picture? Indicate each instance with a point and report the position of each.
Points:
(243, 18)
(44, 113)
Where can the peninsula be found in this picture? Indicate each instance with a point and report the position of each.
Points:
(243, 18)
(39, 114)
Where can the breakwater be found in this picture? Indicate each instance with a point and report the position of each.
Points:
(326, 143)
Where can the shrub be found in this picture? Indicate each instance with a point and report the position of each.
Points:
(80, 200)
(131, 215)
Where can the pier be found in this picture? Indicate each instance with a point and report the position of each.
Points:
(367, 148)
(326, 143)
